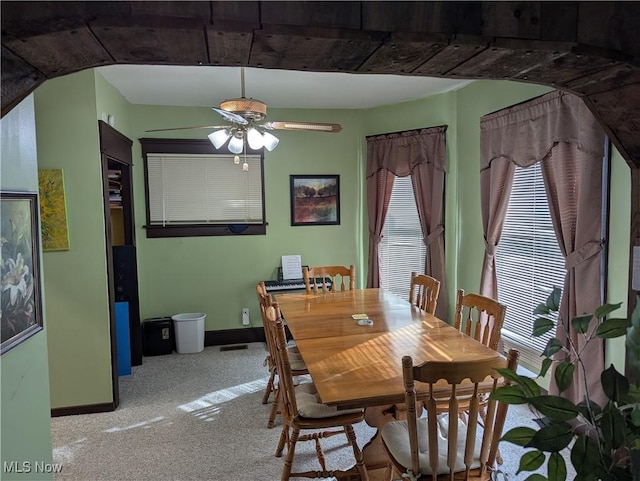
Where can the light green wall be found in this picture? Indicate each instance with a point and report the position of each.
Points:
(110, 102)
(218, 275)
(619, 237)
(24, 377)
(76, 280)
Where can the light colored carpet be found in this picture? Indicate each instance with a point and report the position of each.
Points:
(199, 417)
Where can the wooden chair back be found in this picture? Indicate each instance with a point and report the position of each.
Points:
(457, 375)
(424, 292)
(264, 301)
(480, 317)
(286, 385)
(342, 278)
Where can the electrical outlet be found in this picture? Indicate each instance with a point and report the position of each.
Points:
(245, 316)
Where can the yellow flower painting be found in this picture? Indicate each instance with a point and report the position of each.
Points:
(53, 210)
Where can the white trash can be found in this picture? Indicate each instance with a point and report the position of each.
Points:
(189, 332)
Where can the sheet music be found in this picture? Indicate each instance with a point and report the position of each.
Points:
(292, 267)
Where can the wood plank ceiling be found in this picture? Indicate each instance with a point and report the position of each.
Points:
(589, 48)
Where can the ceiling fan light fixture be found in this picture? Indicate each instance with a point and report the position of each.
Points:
(270, 141)
(254, 138)
(219, 137)
(236, 144)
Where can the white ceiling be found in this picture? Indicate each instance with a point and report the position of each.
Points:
(208, 86)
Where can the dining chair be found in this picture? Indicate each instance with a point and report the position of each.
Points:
(340, 275)
(480, 317)
(302, 410)
(438, 447)
(424, 292)
(298, 368)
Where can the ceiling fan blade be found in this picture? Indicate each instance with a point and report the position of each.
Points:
(306, 126)
(190, 128)
(231, 117)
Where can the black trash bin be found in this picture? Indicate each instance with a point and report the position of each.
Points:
(157, 336)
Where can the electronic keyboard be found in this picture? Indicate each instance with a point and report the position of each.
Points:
(290, 285)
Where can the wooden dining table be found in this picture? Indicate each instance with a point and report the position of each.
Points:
(358, 364)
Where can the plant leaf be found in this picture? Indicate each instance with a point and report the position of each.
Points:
(584, 410)
(546, 364)
(536, 477)
(564, 375)
(613, 429)
(555, 407)
(556, 468)
(635, 416)
(541, 309)
(553, 346)
(509, 395)
(581, 323)
(614, 384)
(531, 461)
(542, 325)
(611, 328)
(529, 386)
(553, 301)
(634, 393)
(632, 341)
(585, 477)
(603, 475)
(519, 436)
(605, 309)
(584, 454)
(552, 438)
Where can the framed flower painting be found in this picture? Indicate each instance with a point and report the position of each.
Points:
(21, 315)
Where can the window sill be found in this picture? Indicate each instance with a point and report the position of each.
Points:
(154, 232)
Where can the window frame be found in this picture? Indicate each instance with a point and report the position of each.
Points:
(195, 146)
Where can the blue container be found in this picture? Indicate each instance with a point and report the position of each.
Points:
(123, 344)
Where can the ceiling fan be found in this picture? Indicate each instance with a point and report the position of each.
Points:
(247, 123)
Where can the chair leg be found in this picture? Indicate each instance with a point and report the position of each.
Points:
(269, 388)
(288, 462)
(357, 453)
(284, 439)
(483, 417)
(275, 408)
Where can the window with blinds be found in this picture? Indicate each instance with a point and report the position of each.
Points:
(528, 263)
(200, 193)
(402, 249)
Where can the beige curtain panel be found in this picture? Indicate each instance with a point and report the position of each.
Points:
(559, 131)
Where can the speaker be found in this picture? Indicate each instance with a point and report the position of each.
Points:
(125, 276)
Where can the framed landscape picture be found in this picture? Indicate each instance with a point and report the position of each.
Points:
(315, 199)
(21, 315)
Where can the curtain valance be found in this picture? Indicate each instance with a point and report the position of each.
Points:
(400, 152)
(526, 133)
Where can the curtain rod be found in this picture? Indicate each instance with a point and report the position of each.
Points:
(408, 131)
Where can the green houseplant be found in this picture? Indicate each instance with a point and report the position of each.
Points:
(606, 439)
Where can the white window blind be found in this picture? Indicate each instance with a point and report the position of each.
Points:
(402, 249)
(528, 263)
(203, 189)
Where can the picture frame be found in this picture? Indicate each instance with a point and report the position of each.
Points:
(54, 227)
(315, 199)
(21, 300)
